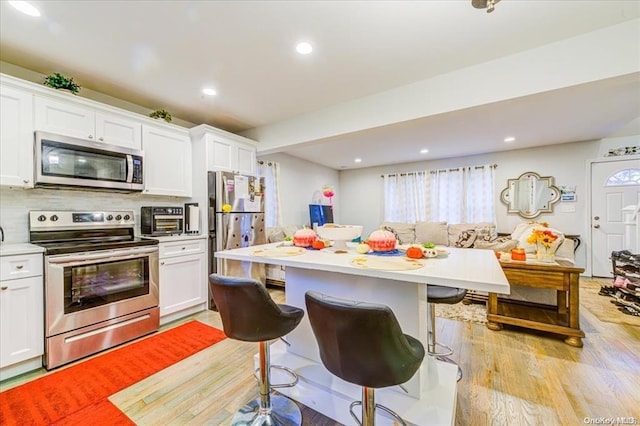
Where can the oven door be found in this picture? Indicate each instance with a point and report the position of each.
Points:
(83, 289)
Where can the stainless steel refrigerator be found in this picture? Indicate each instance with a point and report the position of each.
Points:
(236, 219)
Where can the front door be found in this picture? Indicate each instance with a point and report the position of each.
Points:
(614, 185)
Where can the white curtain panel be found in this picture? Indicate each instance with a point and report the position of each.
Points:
(406, 197)
(462, 195)
(270, 171)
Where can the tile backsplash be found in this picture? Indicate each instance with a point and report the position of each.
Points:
(15, 205)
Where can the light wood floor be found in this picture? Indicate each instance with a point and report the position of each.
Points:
(511, 377)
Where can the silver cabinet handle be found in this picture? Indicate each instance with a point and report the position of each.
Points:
(90, 136)
(596, 226)
(101, 139)
(19, 266)
(4, 287)
(161, 263)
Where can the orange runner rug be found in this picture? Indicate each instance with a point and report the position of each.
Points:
(78, 394)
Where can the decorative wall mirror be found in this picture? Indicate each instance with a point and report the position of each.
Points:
(530, 194)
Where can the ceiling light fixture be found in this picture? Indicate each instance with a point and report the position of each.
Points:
(509, 139)
(490, 5)
(358, 160)
(304, 48)
(209, 91)
(25, 7)
(424, 151)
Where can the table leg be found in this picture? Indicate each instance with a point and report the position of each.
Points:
(574, 306)
(492, 308)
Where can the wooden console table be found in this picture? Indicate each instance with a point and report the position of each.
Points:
(563, 318)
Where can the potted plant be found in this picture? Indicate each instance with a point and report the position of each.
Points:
(59, 81)
(161, 113)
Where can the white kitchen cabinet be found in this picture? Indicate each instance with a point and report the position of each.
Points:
(16, 137)
(86, 122)
(21, 308)
(227, 151)
(167, 169)
(183, 276)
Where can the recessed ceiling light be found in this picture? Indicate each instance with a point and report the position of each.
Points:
(25, 7)
(509, 139)
(424, 151)
(209, 91)
(358, 160)
(304, 48)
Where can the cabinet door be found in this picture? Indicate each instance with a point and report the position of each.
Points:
(16, 137)
(118, 130)
(246, 159)
(167, 167)
(21, 320)
(65, 118)
(182, 283)
(222, 155)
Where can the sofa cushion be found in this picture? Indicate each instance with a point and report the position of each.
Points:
(405, 232)
(432, 232)
(483, 229)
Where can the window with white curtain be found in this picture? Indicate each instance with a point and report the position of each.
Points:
(460, 195)
(270, 171)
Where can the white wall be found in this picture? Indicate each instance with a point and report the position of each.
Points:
(15, 205)
(301, 183)
(363, 197)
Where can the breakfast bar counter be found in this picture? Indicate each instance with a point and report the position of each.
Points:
(395, 281)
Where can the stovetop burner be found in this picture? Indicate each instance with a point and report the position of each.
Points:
(62, 232)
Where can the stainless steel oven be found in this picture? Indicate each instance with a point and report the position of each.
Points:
(101, 283)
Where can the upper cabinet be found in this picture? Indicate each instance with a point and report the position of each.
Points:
(226, 151)
(16, 137)
(86, 122)
(167, 153)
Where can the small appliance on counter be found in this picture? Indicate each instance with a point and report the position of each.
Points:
(191, 218)
(161, 221)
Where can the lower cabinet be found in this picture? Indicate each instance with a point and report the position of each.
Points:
(183, 277)
(21, 309)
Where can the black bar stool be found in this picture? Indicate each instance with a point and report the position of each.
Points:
(362, 343)
(249, 314)
(449, 296)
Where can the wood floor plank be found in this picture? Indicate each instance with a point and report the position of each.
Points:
(512, 376)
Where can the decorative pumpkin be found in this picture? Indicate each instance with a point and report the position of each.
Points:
(363, 248)
(304, 237)
(414, 252)
(382, 240)
(318, 244)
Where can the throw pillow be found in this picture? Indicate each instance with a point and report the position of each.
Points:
(456, 229)
(405, 232)
(466, 238)
(497, 244)
(275, 235)
(432, 232)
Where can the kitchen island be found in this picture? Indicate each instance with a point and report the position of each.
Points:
(431, 393)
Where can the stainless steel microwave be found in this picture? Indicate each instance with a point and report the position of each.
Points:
(66, 161)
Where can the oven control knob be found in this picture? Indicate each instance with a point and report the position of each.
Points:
(110, 217)
(118, 217)
(42, 218)
(127, 217)
(54, 218)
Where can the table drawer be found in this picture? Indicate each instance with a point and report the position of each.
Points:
(20, 266)
(537, 279)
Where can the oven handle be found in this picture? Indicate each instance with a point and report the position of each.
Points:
(103, 255)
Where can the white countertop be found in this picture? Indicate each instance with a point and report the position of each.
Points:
(13, 249)
(170, 238)
(472, 269)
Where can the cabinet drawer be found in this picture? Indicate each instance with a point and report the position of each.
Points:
(180, 248)
(21, 266)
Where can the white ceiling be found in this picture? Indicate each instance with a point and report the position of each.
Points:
(160, 54)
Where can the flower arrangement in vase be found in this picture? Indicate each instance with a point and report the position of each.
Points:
(543, 239)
